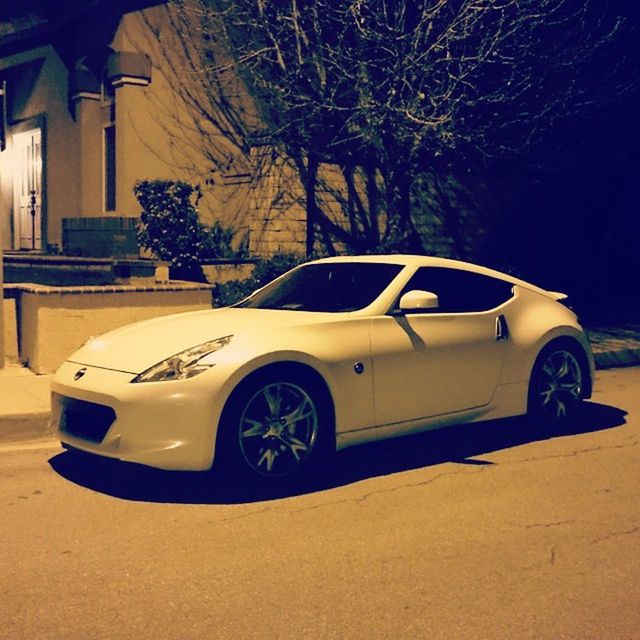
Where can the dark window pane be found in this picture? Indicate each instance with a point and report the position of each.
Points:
(460, 291)
(329, 287)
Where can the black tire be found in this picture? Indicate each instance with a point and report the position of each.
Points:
(557, 384)
(275, 427)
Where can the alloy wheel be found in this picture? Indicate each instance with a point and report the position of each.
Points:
(559, 388)
(278, 429)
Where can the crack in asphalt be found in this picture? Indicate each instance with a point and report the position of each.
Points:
(356, 499)
(366, 496)
(616, 534)
(412, 485)
(243, 515)
(543, 525)
(572, 454)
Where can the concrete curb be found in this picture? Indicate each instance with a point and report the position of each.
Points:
(621, 358)
(25, 426)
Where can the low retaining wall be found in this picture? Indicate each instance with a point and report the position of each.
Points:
(52, 322)
(75, 271)
(10, 330)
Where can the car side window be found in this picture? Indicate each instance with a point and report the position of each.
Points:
(459, 291)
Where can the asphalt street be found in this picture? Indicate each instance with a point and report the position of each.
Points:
(485, 531)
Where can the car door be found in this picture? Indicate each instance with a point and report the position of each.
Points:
(444, 360)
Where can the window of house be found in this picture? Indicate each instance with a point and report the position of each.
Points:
(109, 171)
(460, 291)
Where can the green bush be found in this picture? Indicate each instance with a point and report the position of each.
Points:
(265, 271)
(170, 228)
(216, 242)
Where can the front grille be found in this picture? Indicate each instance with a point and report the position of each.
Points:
(86, 420)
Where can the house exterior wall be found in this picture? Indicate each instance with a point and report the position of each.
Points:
(278, 208)
(39, 101)
(277, 212)
(279, 218)
(152, 140)
(90, 117)
(156, 138)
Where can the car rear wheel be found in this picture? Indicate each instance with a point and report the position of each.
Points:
(557, 385)
(274, 429)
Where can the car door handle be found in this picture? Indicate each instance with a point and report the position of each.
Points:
(502, 330)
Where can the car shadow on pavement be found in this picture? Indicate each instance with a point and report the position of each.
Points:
(462, 444)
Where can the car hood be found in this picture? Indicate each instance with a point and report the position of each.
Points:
(136, 347)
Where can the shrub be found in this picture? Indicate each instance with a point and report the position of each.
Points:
(265, 271)
(170, 228)
(216, 242)
(228, 293)
(169, 225)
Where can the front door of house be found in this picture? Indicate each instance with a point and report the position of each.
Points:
(27, 148)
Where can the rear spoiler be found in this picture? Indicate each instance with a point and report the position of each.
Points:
(556, 295)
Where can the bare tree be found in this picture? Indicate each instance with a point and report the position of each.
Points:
(391, 91)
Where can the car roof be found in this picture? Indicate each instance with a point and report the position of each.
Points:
(403, 259)
(434, 261)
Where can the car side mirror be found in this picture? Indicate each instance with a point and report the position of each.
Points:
(418, 301)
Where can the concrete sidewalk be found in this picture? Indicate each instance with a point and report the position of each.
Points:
(25, 405)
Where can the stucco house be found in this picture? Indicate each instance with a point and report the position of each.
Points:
(79, 125)
(81, 120)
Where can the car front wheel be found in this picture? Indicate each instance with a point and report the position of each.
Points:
(273, 429)
(557, 384)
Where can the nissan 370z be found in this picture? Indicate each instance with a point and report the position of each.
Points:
(336, 352)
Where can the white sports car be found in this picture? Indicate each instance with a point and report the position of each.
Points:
(334, 353)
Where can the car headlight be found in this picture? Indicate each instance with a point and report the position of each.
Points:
(185, 364)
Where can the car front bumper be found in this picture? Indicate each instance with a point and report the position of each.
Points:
(167, 425)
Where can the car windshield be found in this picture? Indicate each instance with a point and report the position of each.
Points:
(328, 287)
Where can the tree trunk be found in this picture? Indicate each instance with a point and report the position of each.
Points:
(401, 232)
(311, 203)
(373, 198)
